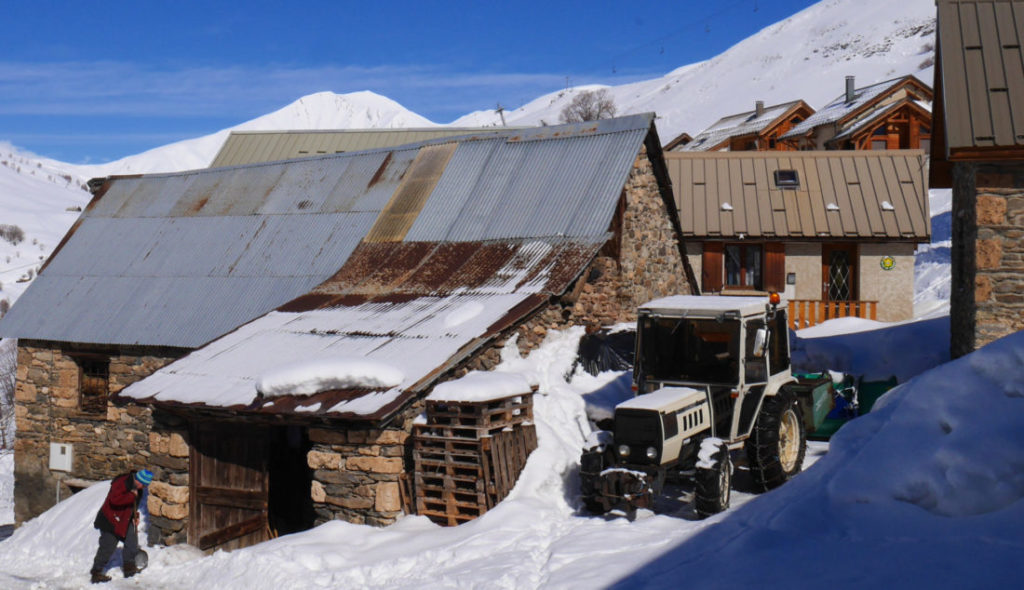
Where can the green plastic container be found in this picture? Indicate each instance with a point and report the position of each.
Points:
(814, 391)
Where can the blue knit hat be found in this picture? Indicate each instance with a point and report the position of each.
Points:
(144, 477)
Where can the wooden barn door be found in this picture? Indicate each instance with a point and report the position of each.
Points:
(228, 486)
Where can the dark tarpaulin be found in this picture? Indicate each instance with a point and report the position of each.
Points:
(606, 350)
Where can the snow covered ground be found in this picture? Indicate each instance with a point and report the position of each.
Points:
(926, 490)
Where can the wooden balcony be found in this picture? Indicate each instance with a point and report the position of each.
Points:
(804, 313)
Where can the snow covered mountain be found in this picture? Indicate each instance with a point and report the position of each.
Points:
(323, 110)
(805, 56)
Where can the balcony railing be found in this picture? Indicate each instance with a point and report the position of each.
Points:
(804, 313)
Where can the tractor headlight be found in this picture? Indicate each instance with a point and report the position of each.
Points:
(623, 450)
(652, 453)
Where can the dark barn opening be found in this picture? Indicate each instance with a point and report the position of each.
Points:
(290, 508)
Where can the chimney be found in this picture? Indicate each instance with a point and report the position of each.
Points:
(758, 108)
(849, 89)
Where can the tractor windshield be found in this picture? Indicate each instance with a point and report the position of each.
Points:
(692, 350)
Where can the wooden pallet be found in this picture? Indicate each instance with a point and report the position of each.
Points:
(485, 415)
(469, 455)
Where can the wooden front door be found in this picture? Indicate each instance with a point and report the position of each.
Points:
(838, 272)
(228, 486)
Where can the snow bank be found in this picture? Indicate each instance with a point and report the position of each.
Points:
(56, 549)
(6, 487)
(318, 375)
(927, 491)
(477, 386)
(876, 350)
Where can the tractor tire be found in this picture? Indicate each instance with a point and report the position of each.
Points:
(778, 443)
(593, 506)
(713, 485)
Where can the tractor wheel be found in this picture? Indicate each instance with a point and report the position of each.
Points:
(593, 506)
(713, 485)
(776, 447)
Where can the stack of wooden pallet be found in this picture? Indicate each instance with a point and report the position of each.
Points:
(469, 454)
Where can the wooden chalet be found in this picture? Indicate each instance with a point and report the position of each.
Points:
(978, 150)
(756, 130)
(889, 115)
(381, 273)
(833, 231)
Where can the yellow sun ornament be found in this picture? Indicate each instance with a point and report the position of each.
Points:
(888, 262)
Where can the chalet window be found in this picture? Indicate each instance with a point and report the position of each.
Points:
(787, 179)
(93, 384)
(743, 266)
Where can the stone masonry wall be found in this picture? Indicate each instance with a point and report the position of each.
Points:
(168, 496)
(987, 294)
(46, 411)
(999, 256)
(357, 471)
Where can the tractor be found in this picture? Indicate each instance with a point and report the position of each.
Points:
(711, 379)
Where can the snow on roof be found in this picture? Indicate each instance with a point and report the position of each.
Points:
(309, 376)
(737, 125)
(878, 116)
(408, 334)
(477, 386)
(707, 304)
(840, 108)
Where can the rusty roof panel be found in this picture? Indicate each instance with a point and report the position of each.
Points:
(406, 203)
(840, 194)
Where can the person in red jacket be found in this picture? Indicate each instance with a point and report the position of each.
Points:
(118, 520)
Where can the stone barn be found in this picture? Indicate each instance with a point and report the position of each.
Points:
(978, 150)
(263, 336)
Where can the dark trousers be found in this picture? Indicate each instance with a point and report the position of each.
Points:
(108, 543)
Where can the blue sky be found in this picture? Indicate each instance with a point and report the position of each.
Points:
(87, 82)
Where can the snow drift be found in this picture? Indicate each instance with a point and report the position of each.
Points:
(924, 491)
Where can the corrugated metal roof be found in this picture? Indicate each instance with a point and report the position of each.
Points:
(740, 124)
(251, 147)
(839, 108)
(848, 195)
(422, 318)
(188, 248)
(981, 47)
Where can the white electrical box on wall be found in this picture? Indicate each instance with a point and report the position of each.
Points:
(60, 456)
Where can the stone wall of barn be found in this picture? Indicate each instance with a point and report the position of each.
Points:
(357, 471)
(168, 498)
(987, 298)
(47, 411)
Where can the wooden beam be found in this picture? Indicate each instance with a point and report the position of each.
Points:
(233, 531)
(231, 498)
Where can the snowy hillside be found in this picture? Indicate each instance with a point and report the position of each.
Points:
(806, 56)
(37, 206)
(323, 110)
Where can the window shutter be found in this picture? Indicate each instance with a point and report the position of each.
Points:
(775, 266)
(711, 267)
